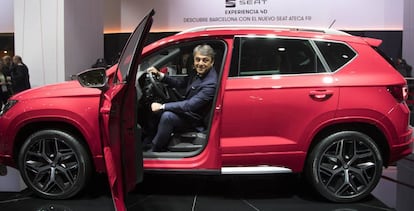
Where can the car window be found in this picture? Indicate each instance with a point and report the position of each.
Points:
(172, 60)
(178, 59)
(336, 54)
(275, 56)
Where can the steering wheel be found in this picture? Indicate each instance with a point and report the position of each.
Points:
(158, 88)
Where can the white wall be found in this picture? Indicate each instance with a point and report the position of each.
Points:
(112, 16)
(6, 16)
(58, 38)
(408, 34)
(83, 37)
(39, 39)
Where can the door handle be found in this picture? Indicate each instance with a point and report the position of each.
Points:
(321, 95)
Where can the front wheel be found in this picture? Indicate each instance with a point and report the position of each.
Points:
(345, 166)
(54, 165)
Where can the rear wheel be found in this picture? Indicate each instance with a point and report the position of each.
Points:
(54, 164)
(345, 166)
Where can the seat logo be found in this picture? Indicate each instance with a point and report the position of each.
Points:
(234, 3)
(230, 3)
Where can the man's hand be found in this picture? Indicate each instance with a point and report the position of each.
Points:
(159, 75)
(154, 71)
(156, 107)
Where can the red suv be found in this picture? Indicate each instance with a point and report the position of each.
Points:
(288, 100)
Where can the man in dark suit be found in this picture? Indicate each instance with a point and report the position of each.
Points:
(19, 75)
(200, 91)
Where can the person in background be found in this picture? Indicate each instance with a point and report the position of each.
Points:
(403, 67)
(4, 85)
(19, 75)
(100, 63)
(7, 65)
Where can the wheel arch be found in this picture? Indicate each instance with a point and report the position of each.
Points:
(32, 127)
(366, 128)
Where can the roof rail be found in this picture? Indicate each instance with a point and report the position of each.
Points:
(271, 27)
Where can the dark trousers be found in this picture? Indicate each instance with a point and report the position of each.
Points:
(169, 122)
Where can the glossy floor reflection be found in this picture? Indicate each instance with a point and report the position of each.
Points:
(183, 192)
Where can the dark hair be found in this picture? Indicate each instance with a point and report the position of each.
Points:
(7, 57)
(205, 50)
(18, 58)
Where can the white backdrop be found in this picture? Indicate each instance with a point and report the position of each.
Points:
(6, 16)
(176, 15)
(58, 38)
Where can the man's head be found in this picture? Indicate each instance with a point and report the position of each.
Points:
(203, 58)
(7, 60)
(17, 59)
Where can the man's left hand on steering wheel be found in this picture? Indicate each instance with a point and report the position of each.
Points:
(159, 89)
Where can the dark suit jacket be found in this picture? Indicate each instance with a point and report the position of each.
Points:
(20, 78)
(199, 96)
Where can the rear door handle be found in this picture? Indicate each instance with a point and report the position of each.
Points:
(321, 95)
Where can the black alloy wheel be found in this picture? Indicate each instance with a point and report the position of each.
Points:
(345, 166)
(54, 165)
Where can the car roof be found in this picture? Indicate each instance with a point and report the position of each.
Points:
(264, 27)
(265, 31)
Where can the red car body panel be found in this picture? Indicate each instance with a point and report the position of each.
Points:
(357, 104)
(241, 143)
(256, 132)
(67, 103)
(242, 134)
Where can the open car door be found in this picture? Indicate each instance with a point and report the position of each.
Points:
(121, 135)
(118, 116)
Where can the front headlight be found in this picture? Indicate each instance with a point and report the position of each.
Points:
(9, 104)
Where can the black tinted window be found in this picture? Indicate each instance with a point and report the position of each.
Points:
(336, 54)
(274, 56)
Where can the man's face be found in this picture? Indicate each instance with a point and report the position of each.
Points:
(202, 63)
(7, 60)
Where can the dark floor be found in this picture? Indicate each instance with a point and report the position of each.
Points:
(183, 192)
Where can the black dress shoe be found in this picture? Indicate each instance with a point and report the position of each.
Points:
(147, 146)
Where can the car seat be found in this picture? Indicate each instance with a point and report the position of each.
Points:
(191, 139)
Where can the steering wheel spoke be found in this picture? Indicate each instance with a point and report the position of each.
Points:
(159, 88)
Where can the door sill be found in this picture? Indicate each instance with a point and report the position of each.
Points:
(255, 170)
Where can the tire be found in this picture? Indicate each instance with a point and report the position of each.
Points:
(54, 164)
(345, 166)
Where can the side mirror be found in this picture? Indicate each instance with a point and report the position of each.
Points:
(93, 78)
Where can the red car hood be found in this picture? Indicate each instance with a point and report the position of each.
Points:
(64, 89)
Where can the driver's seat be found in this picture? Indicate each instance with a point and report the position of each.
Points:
(190, 140)
(187, 142)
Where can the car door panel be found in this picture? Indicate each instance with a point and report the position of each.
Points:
(120, 135)
(110, 118)
(208, 158)
(274, 114)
